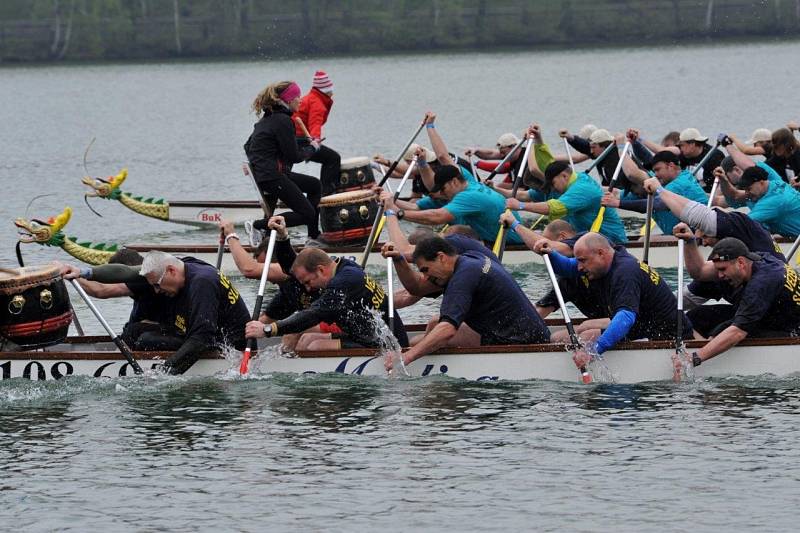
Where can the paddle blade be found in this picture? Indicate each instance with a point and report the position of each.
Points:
(586, 377)
(243, 368)
(499, 240)
(643, 229)
(599, 220)
(378, 231)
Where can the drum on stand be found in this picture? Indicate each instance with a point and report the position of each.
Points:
(356, 173)
(347, 217)
(34, 306)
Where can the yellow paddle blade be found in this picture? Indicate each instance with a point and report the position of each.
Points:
(599, 220)
(444, 228)
(537, 222)
(378, 231)
(643, 229)
(499, 238)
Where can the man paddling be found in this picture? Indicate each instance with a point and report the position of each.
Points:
(764, 293)
(691, 148)
(348, 297)
(640, 303)
(477, 291)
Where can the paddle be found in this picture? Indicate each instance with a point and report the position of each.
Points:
(707, 157)
(602, 211)
(569, 154)
(679, 349)
(248, 171)
(220, 248)
(252, 344)
(793, 249)
(380, 219)
(500, 242)
(472, 167)
(399, 157)
(601, 157)
(575, 341)
(503, 161)
(713, 193)
(123, 348)
(647, 225)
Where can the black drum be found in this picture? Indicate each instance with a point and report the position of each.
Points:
(356, 173)
(347, 217)
(34, 306)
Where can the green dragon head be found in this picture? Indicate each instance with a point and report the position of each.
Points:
(106, 188)
(45, 233)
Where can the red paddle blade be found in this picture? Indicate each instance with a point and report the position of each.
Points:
(586, 377)
(245, 361)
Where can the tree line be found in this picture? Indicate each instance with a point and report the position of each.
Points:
(56, 30)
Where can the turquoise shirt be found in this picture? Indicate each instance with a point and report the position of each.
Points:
(771, 176)
(778, 210)
(685, 185)
(579, 205)
(480, 207)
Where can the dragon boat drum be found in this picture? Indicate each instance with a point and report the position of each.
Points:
(34, 306)
(356, 173)
(347, 217)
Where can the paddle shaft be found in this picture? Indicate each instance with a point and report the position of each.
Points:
(573, 337)
(220, 248)
(793, 249)
(679, 333)
(569, 154)
(601, 157)
(123, 348)
(503, 161)
(399, 157)
(713, 193)
(705, 159)
(647, 227)
(598, 221)
(252, 344)
(377, 224)
(248, 170)
(390, 285)
(501, 235)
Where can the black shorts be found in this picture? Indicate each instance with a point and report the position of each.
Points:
(346, 342)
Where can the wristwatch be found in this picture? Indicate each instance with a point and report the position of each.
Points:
(696, 361)
(271, 329)
(400, 214)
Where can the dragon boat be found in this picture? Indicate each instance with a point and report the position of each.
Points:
(663, 254)
(632, 362)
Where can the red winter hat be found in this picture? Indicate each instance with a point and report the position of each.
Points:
(322, 82)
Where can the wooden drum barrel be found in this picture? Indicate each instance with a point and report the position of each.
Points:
(356, 173)
(347, 217)
(34, 306)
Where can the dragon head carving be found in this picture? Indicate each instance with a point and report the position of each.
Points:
(45, 233)
(107, 188)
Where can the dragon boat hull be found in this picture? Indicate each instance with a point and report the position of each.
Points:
(663, 254)
(630, 363)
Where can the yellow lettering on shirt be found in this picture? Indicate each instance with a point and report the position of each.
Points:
(180, 323)
(655, 277)
(233, 294)
(378, 294)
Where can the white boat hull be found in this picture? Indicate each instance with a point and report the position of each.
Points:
(632, 363)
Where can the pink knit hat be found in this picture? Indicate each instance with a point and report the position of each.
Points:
(322, 82)
(290, 93)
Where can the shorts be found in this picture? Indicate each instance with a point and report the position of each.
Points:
(346, 342)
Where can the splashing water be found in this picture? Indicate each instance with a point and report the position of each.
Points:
(597, 366)
(389, 346)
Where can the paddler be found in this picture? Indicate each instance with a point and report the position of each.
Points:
(763, 291)
(477, 291)
(489, 158)
(639, 301)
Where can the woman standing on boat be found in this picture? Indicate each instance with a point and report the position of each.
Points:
(272, 150)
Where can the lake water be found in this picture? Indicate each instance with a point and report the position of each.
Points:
(348, 453)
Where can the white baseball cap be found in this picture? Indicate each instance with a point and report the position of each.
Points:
(586, 131)
(600, 136)
(507, 140)
(691, 134)
(760, 135)
(430, 157)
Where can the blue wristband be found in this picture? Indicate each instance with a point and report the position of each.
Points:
(390, 213)
(514, 226)
(86, 272)
(521, 206)
(659, 190)
(430, 126)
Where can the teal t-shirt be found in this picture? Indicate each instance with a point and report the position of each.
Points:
(480, 207)
(685, 185)
(778, 210)
(426, 202)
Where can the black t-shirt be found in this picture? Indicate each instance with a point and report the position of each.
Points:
(209, 308)
(788, 168)
(747, 230)
(463, 244)
(482, 294)
(633, 285)
(582, 293)
(348, 300)
(291, 297)
(706, 174)
(149, 305)
(770, 300)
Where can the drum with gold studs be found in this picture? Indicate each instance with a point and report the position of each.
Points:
(356, 173)
(34, 306)
(347, 217)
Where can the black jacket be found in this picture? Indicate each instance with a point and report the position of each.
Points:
(272, 148)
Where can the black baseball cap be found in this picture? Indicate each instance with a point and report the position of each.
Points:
(665, 156)
(444, 174)
(752, 175)
(730, 248)
(554, 169)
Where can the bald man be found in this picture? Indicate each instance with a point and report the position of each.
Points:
(640, 303)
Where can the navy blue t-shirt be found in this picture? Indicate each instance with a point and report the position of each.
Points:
(633, 285)
(747, 230)
(347, 301)
(462, 244)
(483, 295)
(149, 305)
(770, 300)
(209, 308)
(585, 295)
